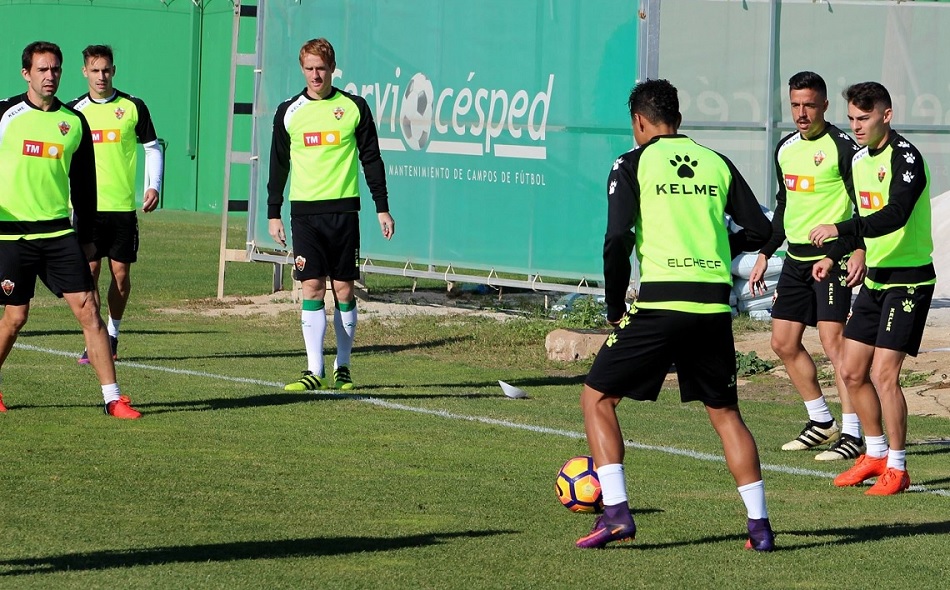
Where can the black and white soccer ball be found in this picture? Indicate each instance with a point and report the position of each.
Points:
(415, 114)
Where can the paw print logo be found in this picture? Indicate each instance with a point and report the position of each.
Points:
(624, 321)
(612, 187)
(843, 264)
(909, 158)
(617, 163)
(611, 339)
(907, 305)
(843, 281)
(684, 166)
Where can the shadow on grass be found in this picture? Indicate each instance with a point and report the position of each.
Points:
(550, 380)
(936, 447)
(283, 399)
(201, 405)
(223, 355)
(391, 348)
(862, 534)
(491, 384)
(832, 536)
(301, 353)
(27, 333)
(235, 403)
(278, 398)
(223, 552)
(936, 484)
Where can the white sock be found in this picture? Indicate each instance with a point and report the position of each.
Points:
(612, 484)
(113, 327)
(344, 325)
(850, 424)
(110, 393)
(314, 327)
(818, 410)
(753, 496)
(877, 446)
(897, 459)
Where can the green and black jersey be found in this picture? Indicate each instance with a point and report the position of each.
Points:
(894, 218)
(316, 143)
(815, 187)
(46, 160)
(117, 124)
(668, 198)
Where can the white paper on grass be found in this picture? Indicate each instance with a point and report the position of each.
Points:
(512, 391)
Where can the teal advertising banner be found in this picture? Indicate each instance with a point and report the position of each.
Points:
(498, 122)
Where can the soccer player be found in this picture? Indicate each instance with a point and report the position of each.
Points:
(46, 160)
(319, 137)
(892, 181)
(118, 122)
(813, 165)
(667, 197)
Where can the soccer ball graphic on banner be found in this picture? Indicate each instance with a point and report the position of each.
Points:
(578, 487)
(415, 113)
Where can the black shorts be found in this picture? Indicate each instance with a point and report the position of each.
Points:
(59, 262)
(890, 318)
(639, 352)
(799, 298)
(326, 245)
(116, 235)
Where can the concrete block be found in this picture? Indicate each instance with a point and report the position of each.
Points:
(574, 345)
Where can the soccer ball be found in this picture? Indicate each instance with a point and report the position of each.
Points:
(415, 113)
(578, 487)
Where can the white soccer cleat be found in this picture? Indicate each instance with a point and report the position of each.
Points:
(813, 436)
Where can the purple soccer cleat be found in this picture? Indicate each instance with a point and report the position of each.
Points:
(607, 532)
(761, 537)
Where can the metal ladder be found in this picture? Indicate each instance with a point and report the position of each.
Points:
(244, 14)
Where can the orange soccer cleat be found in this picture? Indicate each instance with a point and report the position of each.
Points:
(121, 408)
(864, 468)
(894, 481)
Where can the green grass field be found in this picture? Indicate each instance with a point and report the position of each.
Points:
(425, 477)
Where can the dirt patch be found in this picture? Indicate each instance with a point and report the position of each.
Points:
(930, 370)
(382, 306)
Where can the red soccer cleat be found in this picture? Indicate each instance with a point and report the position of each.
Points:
(122, 409)
(864, 468)
(893, 481)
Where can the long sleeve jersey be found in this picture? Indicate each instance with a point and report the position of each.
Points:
(117, 124)
(317, 143)
(894, 217)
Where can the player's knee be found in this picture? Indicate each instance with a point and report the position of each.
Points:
(852, 377)
(14, 319)
(885, 378)
(784, 348)
(595, 404)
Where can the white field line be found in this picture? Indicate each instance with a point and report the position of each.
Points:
(479, 419)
